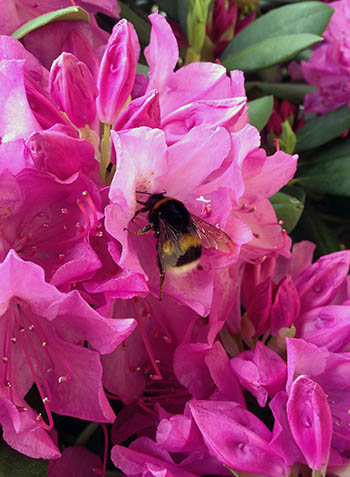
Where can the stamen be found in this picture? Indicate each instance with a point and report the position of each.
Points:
(43, 424)
(145, 408)
(147, 344)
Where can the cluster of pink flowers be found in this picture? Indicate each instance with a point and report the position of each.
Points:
(80, 315)
(329, 66)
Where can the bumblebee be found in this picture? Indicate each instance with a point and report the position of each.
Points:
(180, 235)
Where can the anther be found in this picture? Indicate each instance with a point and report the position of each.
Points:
(21, 330)
(43, 344)
(5, 359)
(13, 340)
(31, 327)
(39, 417)
(8, 384)
(62, 379)
(45, 400)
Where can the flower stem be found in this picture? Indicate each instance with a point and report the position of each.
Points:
(105, 150)
(85, 435)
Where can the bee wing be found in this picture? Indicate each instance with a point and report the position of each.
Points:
(168, 234)
(212, 237)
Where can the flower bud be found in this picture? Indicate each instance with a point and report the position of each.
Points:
(310, 421)
(78, 45)
(42, 106)
(73, 89)
(117, 72)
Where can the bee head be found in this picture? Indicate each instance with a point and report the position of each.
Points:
(152, 199)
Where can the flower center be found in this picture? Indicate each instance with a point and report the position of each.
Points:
(57, 229)
(27, 340)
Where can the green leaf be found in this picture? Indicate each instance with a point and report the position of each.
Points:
(322, 129)
(329, 172)
(259, 111)
(294, 92)
(288, 209)
(170, 7)
(140, 68)
(182, 12)
(141, 25)
(304, 17)
(311, 227)
(269, 52)
(66, 14)
(14, 464)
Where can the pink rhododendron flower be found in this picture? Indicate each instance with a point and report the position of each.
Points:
(158, 170)
(73, 89)
(21, 11)
(262, 371)
(329, 66)
(50, 223)
(117, 71)
(75, 461)
(310, 421)
(312, 298)
(43, 330)
(329, 370)
(237, 438)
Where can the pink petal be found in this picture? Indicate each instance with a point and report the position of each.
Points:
(161, 54)
(310, 421)
(17, 119)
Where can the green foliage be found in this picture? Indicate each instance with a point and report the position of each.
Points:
(14, 464)
(269, 52)
(66, 14)
(280, 34)
(328, 169)
(141, 24)
(322, 129)
(288, 208)
(259, 111)
(294, 92)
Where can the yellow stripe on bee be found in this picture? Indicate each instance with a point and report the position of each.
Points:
(161, 202)
(188, 240)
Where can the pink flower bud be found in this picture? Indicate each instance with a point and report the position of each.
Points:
(77, 44)
(73, 89)
(310, 421)
(286, 306)
(42, 106)
(117, 72)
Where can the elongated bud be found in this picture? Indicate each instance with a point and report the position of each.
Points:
(196, 21)
(117, 72)
(73, 89)
(78, 45)
(310, 421)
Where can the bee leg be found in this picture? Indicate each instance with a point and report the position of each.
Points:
(144, 230)
(140, 211)
(162, 278)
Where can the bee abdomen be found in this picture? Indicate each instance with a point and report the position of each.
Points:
(192, 254)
